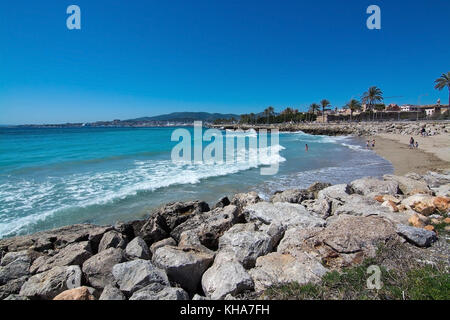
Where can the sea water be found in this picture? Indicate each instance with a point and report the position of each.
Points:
(52, 177)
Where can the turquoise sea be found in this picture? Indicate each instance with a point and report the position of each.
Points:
(55, 177)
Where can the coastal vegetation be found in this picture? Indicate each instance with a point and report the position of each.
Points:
(443, 82)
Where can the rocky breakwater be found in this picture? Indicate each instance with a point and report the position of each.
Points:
(242, 246)
(356, 128)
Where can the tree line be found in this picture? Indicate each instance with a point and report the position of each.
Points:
(372, 99)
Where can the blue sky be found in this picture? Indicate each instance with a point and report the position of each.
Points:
(143, 58)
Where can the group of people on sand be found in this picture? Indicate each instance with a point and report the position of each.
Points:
(370, 144)
(412, 144)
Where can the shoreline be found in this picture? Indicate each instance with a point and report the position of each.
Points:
(194, 245)
(406, 160)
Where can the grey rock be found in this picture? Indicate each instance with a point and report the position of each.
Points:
(241, 200)
(73, 254)
(419, 237)
(98, 268)
(184, 266)
(337, 192)
(134, 275)
(246, 242)
(277, 269)
(409, 186)
(159, 292)
(223, 202)
(162, 243)
(18, 268)
(12, 256)
(112, 293)
(285, 214)
(199, 297)
(316, 187)
(209, 226)
(372, 186)
(154, 230)
(137, 249)
(57, 238)
(112, 239)
(168, 217)
(320, 207)
(292, 196)
(358, 205)
(226, 276)
(12, 287)
(49, 284)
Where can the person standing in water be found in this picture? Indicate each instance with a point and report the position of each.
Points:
(373, 143)
(306, 147)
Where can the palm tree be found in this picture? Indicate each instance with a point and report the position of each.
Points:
(268, 112)
(353, 105)
(442, 82)
(314, 107)
(372, 96)
(324, 103)
(252, 117)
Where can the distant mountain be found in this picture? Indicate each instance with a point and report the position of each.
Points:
(188, 117)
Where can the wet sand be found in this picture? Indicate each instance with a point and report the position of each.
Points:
(433, 153)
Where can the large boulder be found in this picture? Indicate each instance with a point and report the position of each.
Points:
(112, 239)
(337, 192)
(73, 254)
(358, 205)
(277, 269)
(417, 236)
(409, 186)
(168, 217)
(241, 200)
(421, 203)
(184, 266)
(292, 196)
(137, 274)
(222, 203)
(12, 287)
(49, 284)
(162, 243)
(209, 226)
(372, 186)
(157, 291)
(321, 207)
(80, 293)
(248, 241)
(137, 249)
(316, 187)
(12, 256)
(15, 266)
(347, 240)
(226, 276)
(112, 293)
(285, 214)
(98, 268)
(57, 238)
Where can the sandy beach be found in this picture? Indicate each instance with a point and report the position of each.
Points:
(433, 152)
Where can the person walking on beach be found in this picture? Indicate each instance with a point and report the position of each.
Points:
(373, 143)
(411, 142)
(417, 145)
(367, 144)
(306, 147)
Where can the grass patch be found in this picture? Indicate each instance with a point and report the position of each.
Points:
(407, 281)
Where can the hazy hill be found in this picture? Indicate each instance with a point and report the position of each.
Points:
(188, 117)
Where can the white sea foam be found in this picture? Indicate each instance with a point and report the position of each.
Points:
(82, 190)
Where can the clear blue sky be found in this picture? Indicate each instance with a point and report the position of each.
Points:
(143, 58)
